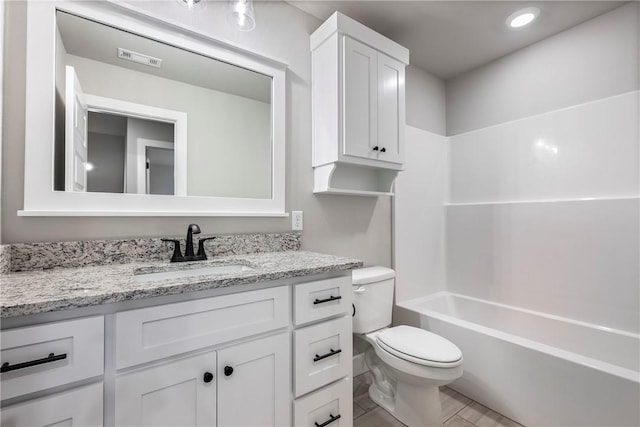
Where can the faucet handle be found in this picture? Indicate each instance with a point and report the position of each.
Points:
(201, 253)
(177, 254)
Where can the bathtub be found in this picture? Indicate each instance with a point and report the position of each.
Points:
(538, 369)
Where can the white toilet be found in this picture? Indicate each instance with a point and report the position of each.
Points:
(408, 364)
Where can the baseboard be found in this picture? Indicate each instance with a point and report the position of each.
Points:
(359, 365)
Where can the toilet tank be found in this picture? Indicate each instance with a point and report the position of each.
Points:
(372, 298)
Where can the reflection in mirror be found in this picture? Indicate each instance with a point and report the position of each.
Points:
(122, 101)
(159, 170)
(109, 162)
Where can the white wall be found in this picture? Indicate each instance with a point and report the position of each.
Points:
(419, 215)
(545, 182)
(593, 60)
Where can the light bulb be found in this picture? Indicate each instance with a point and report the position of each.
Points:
(522, 17)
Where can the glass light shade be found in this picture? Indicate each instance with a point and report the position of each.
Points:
(242, 15)
(193, 4)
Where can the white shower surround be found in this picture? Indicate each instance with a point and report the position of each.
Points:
(538, 369)
(557, 231)
(542, 237)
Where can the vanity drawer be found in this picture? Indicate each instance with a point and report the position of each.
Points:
(80, 406)
(78, 353)
(321, 299)
(323, 354)
(332, 404)
(154, 333)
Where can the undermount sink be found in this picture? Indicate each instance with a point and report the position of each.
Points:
(144, 275)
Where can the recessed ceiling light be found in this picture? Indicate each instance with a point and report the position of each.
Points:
(522, 17)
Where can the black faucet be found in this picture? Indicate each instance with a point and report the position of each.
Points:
(191, 230)
(188, 252)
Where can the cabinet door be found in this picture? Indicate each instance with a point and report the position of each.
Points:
(178, 393)
(81, 406)
(254, 383)
(360, 92)
(391, 108)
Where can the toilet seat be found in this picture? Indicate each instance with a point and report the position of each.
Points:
(419, 346)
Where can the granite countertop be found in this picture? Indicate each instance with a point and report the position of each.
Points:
(32, 292)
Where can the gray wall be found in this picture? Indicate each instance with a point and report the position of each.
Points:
(1, 96)
(342, 225)
(106, 153)
(425, 100)
(587, 62)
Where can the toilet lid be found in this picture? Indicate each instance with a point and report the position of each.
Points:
(419, 346)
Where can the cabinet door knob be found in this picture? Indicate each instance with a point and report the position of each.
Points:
(228, 370)
(208, 377)
(383, 150)
(376, 148)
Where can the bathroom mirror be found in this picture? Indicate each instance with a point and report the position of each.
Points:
(140, 118)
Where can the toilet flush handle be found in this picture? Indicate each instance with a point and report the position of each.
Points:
(358, 290)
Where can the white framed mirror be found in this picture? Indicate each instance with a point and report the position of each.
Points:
(129, 116)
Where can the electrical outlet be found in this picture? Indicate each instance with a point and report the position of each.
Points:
(296, 220)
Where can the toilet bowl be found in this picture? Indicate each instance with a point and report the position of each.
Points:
(408, 364)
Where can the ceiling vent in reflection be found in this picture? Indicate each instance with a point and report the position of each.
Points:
(139, 58)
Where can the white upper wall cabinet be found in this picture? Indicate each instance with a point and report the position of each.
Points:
(358, 91)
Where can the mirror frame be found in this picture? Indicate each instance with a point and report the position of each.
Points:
(39, 197)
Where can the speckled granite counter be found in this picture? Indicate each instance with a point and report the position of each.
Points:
(32, 292)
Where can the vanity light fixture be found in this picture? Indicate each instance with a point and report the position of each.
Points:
(242, 15)
(193, 4)
(522, 17)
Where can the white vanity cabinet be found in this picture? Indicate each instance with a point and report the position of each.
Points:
(262, 357)
(210, 388)
(247, 386)
(38, 358)
(358, 89)
(323, 353)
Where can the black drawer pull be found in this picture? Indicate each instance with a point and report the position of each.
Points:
(329, 421)
(331, 298)
(6, 367)
(332, 352)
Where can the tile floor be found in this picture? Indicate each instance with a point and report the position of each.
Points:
(457, 410)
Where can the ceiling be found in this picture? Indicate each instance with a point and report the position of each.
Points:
(92, 40)
(448, 38)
